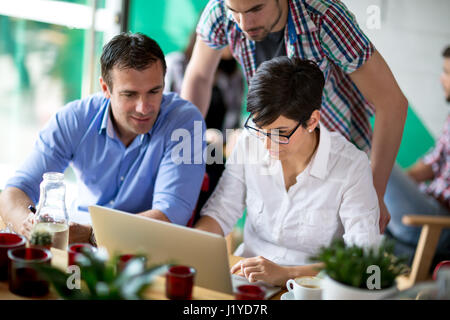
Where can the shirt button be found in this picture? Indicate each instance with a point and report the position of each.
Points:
(111, 202)
(122, 178)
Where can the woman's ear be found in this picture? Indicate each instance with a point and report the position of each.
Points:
(313, 121)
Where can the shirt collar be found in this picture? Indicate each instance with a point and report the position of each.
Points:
(319, 162)
(299, 18)
(105, 120)
(108, 127)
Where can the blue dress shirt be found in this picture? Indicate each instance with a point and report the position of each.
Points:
(140, 177)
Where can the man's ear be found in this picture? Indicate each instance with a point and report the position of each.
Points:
(105, 88)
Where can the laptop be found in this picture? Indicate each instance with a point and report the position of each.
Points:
(124, 233)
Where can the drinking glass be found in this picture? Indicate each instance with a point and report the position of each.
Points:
(249, 292)
(8, 241)
(179, 282)
(75, 249)
(125, 258)
(24, 279)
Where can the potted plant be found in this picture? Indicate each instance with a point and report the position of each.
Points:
(356, 273)
(101, 279)
(42, 239)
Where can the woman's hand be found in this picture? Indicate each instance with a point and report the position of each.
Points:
(259, 268)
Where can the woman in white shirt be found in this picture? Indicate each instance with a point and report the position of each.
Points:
(302, 185)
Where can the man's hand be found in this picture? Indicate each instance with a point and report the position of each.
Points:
(154, 214)
(27, 225)
(79, 232)
(259, 268)
(385, 216)
(420, 172)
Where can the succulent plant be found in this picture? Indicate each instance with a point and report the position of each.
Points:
(348, 264)
(41, 238)
(100, 278)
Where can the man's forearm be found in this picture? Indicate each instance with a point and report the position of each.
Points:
(14, 207)
(387, 136)
(209, 224)
(197, 90)
(421, 172)
(199, 76)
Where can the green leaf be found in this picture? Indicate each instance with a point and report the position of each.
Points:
(134, 288)
(100, 279)
(134, 267)
(58, 279)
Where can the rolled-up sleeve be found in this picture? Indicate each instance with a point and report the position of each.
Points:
(436, 157)
(359, 211)
(178, 183)
(211, 26)
(342, 39)
(227, 203)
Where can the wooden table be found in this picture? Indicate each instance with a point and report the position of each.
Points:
(155, 292)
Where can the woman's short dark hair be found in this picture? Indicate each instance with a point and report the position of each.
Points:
(283, 86)
(130, 51)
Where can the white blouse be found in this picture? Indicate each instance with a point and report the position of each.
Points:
(333, 197)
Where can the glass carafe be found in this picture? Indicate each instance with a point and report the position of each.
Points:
(51, 215)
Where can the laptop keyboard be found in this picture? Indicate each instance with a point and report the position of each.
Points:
(237, 280)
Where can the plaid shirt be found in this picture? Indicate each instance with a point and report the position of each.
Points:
(320, 30)
(439, 159)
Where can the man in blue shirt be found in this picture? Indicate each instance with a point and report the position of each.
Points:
(123, 144)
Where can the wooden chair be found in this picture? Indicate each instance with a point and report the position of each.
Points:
(230, 243)
(426, 247)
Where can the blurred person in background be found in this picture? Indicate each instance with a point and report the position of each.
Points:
(425, 187)
(225, 106)
(228, 86)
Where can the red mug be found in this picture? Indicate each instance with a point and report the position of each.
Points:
(24, 279)
(442, 264)
(8, 241)
(74, 249)
(125, 258)
(249, 292)
(179, 282)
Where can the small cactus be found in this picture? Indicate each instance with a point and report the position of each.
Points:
(41, 238)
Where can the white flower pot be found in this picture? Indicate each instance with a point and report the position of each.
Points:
(333, 290)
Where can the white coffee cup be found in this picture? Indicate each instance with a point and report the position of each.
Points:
(305, 288)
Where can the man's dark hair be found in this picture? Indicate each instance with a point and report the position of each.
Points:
(446, 53)
(130, 51)
(283, 86)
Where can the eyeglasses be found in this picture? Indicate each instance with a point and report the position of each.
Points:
(276, 138)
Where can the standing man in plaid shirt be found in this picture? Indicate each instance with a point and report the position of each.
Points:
(425, 188)
(358, 80)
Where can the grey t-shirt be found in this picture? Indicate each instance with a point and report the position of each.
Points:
(272, 46)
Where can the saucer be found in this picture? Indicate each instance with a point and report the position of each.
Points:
(287, 296)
